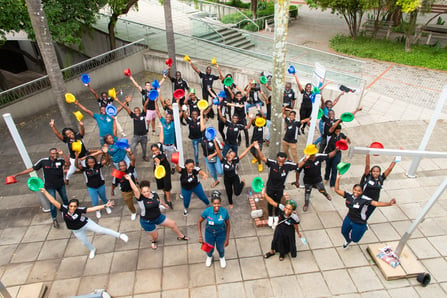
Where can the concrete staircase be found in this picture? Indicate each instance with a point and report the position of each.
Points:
(228, 36)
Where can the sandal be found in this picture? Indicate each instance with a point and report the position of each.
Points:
(154, 245)
(184, 238)
(268, 255)
(215, 183)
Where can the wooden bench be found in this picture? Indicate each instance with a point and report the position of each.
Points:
(438, 32)
(438, 9)
(384, 28)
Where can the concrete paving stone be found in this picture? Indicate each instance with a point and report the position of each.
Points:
(195, 254)
(105, 244)
(443, 286)
(111, 222)
(377, 217)
(437, 268)
(440, 243)
(408, 195)
(328, 259)
(313, 285)
(124, 261)
(275, 267)
(434, 290)
(127, 226)
(150, 259)
(318, 239)
(99, 265)
(148, 280)
(76, 248)
(375, 294)
(200, 275)
(407, 292)
(258, 288)
(43, 271)
(42, 219)
(148, 295)
(422, 248)
(339, 282)
(248, 247)
(6, 252)
(121, 283)
(90, 283)
(365, 279)
(393, 213)
(330, 219)
(253, 268)
(430, 227)
(175, 277)
(402, 227)
(175, 293)
(63, 288)
(71, 267)
(53, 249)
(26, 252)
(12, 235)
(411, 210)
(146, 239)
(384, 231)
(265, 242)
(335, 236)
(285, 285)
(16, 274)
(245, 228)
(133, 243)
(13, 291)
(204, 292)
(36, 233)
(175, 255)
(230, 250)
(304, 262)
(232, 273)
(61, 233)
(230, 290)
(352, 257)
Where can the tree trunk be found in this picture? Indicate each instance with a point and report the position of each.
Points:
(111, 28)
(410, 32)
(279, 74)
(170, 41)
(45, 43)
(254, 8)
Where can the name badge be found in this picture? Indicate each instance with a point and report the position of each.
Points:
(370, 182)
(108, 119)
(211, 223)
(236, 129)
(57, 164)
(356, 206)
(227, 166)
(283, 174)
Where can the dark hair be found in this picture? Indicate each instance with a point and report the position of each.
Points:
(216, 198)
(103, 93)
(188, 161)
(308, 84)
(51, 149)
(238, 92)
(357, 184)
(145, 183)
(228, 75)
(292, 112)
(105, 137)
(67, 129)
(154, 146)
(338, 127)
(74, 201)
(88, 158)
(148, 82)
(281, 154)
(380, 170)
(178, 72)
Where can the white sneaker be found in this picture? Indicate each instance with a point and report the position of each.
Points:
(133, 216)
(270, 221)
(124, 237)
(209, 261)
(223, 263)
(92, 253)
(98, 214)
(108, 210)
(275, 220)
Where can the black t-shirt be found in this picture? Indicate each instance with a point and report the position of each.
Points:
(292, 130)
(331, 142)
(145, 97)
(278, 175)
(149, 207)
(179, 84)
(233, 131)
(192, 105)
(208, 147)
(230, 168)
(123, 182)
(371, 187)
(69, 143)
(312, 169)
(288, 98)
(194, 128)
(307, 101)
(139, 124)
(287, 223)
(357, 207)
(93, 176)
(207, 81)
(76, 220)
(189, 181)
(104, 102)
(53, 172)
(258, 132)
(253, 96)
(240, 111)
(162, 158)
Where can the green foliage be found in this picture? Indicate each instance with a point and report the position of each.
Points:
(67, 19)
(440, 21)
(293, 11)
(421, 55)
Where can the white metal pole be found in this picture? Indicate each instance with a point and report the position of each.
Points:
(395, 152)
(441, 101)
(25, 157)
(178, 133)
(313, 122)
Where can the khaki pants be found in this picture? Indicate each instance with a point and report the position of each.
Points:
(128, 199)
(292, 146)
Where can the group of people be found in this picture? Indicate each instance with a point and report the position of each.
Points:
(234, 107)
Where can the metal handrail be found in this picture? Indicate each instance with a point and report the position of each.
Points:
(209, 26)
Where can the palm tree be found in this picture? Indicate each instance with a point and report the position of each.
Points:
(169, 33)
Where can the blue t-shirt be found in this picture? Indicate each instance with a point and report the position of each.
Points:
(116, 153)
(105, 124)
(168, 131)
(215, 220)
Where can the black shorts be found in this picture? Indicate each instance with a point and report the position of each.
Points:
(165, 182)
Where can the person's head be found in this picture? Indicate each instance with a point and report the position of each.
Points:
(178, 75)
(235, 119)
(289, 207)
(292, 115)
(238, 95)
(328, 104)
(102, 110)
(90, 161)
(228, 75)
(308, 88)
(230, 155)
(337, 130)
(122, 166)
(331, 114)
(108, 139)
(53, 153)
(148, 86)
(192, 95)
(194, 115)
(73, 205)
(357, 190)
(216, 201)
(288, 86)
(375, 172)
(137, 111)
(145, 188)
(281, 158)
(189, 165)
(167, 102)
(208, 70)
(69, 133)
(104, 95)
(155, 150)
(168, 118)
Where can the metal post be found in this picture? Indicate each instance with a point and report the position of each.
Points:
(420, 217)
(25, 157)
(414, 165)
(314, 116)
(395, 152)
(4, 292)
(178, 133)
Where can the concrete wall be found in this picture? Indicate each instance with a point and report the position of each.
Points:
(105, 75)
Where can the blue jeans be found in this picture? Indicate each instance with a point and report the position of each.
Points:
(94, 227)
(321, 128)
(198, 190)
(216, 237)
(62, 194)
(214, 168)
(352, 231)
(228, 147)
(331, 168)
(97, 192)
(195, 146)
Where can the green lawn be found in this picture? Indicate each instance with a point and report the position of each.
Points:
(386, 50)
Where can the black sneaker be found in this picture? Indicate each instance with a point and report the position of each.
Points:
(55, 223)
(346, 244)
(172, 171)
(171, 205)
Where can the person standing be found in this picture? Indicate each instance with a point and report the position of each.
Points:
(195, 133)
(217, 231)
(207, 80)
(234, 128)
(75, 220)
(257, 136)
(178, 83)
(168, 140)
(151, 114)
(291, 135)
(53, 176)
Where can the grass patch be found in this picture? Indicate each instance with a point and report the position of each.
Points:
(433, 57)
